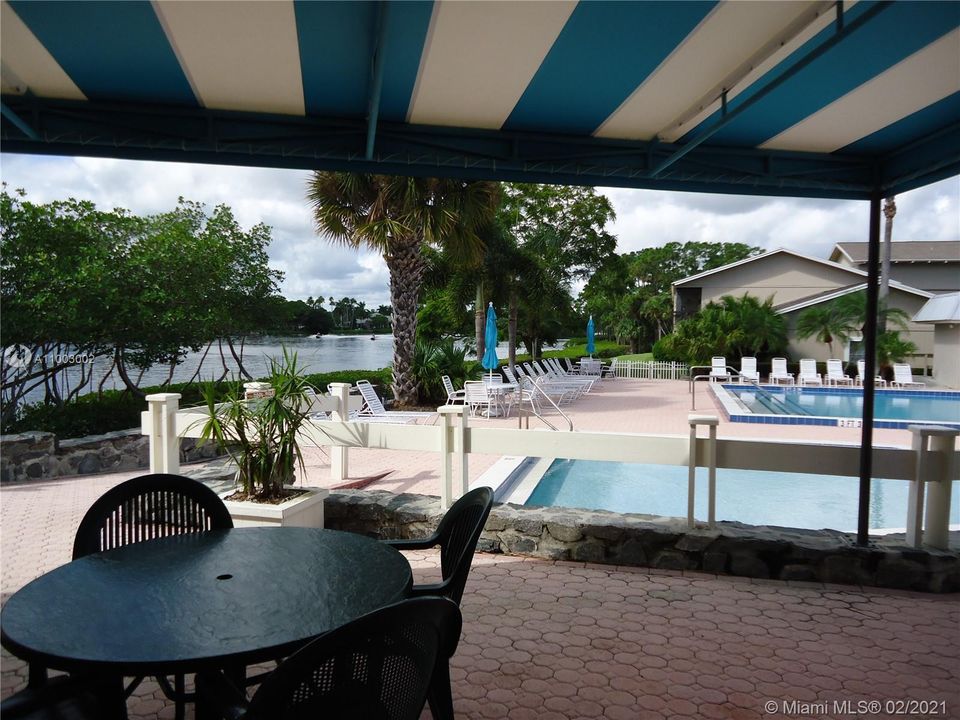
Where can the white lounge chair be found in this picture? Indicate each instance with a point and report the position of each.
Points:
(748, 370)
(808, 372)
(453, 396)
(718, 369)
(373, 406)
(903, 376)
(835, 374)
(778, 372)
(878, 381)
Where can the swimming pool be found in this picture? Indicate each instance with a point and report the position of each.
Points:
(841, 407)
(750, 496)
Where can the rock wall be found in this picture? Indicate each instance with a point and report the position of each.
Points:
(36, 455)
(651, 541)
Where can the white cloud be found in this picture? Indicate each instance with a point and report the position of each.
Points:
(314, 266)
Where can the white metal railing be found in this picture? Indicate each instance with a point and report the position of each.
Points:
(931, 464)
(650, 370)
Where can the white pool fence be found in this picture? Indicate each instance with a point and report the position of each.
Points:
(650, 370)
(930, 466)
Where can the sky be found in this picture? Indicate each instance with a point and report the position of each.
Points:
(314, 267)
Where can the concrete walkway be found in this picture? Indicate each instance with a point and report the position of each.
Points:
(629, 406)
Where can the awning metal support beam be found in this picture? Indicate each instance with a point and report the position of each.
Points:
(870, 370)
(376, 85)
(18, 122)
(842, 31)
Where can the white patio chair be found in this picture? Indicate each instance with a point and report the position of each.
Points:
(903, 376)
(778, 372)
(453, 396)
(835, 374)
(589, 366)
(748, 370)
(878, 381)
(373, 406)
(718, 369)
(476, 397)
(808, 372)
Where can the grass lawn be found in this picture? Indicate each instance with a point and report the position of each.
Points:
(639, 356)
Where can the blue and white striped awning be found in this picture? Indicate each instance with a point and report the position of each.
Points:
(784, 98)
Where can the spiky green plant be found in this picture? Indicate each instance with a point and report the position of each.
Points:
(261, 436)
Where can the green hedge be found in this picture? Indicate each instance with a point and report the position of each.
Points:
(604, 349)
(119, 410)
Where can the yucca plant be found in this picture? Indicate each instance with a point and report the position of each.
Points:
(261, 435)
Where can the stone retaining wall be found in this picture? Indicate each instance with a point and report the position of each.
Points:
(651, 541)
(36, 455)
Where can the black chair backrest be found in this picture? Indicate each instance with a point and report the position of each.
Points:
(148, 507)
(458, 533)
(376, 667)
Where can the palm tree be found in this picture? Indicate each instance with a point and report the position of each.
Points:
(826, 323)
(397, 216)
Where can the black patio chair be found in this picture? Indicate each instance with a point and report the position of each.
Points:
(61, 698)
(148, 507)
(144, 508)
(377, 667)
(457, 535)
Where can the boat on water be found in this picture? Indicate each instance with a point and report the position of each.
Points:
(373, 337)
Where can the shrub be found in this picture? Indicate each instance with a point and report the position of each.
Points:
(120, 410)
(433, 360)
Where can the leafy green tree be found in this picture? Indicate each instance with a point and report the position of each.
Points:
(397, 216)
(563, 225)
(138, 290)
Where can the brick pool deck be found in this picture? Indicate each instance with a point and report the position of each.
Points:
(571, 640)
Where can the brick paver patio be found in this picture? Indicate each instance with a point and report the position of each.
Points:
(567, 640)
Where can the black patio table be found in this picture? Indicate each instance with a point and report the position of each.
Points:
(182, 604)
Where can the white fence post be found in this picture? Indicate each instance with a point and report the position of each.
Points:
(164, 443)
(446, 460)
(695, 421)
(460, 448)
(934, 448)
(339, 459)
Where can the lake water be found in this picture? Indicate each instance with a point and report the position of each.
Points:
(314, 355)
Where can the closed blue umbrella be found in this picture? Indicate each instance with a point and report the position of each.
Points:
(490, 360)
(591, 348)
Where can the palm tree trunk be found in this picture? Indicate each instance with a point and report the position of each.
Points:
(512, 330)
(479, 322)
(406, 267)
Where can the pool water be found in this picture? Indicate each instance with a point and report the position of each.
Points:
(899, 407)
(754, 497)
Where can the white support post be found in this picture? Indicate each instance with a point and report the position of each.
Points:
(339, 459)
(460, 448)
(446, 453)
(710, 421)
(164, 443)
(916, 492)
(934, 448)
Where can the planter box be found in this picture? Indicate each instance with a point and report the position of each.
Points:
(302, 511)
